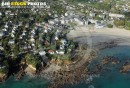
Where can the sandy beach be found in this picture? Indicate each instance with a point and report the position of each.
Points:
(81, 34)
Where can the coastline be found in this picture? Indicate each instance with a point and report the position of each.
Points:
(59, 77)
(109, 38)
(30, 71)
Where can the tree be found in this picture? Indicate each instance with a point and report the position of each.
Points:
(32, 59)
(127, 25)
(119, 22)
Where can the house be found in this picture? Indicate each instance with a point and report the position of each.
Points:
(1, 67)
(113, 15)
(62, 21)
(42, 53)
(62, 46)
(11, 42)
(33, 44)
(56, 38)
(51, 22)
(32, 40)
(0, 14)
(91, 14)
(45, 31)
(1, 34)
(45, 59)
(1, 48)
(66, 14)
(51, 52)
(55, 16)
(60, 52)
(7, 12)
(23, 34)
(99, 25)
(25, 47)
(6, 26)
(27, 25)
(63, 41)
(20, 37)
(92, 21)
(4, 29)
(102, 16)
(79, 21)
(12, 35)
(12, 14)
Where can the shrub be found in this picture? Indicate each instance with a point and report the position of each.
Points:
(110, 26)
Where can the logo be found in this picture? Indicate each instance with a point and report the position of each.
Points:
(22, 4)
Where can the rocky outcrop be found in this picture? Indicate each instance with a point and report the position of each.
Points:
(2, 77)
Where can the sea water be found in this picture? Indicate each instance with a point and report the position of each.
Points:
(110, 78)
(25, 82)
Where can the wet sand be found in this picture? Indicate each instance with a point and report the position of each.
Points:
(121, 36)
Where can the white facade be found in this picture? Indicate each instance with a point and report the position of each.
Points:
(0, 13)
(1, 34)
(79, 22)
(112, 15)
(60, 52)
(42, 53)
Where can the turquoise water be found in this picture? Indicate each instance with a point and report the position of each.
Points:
(25, 82)
(111, 78)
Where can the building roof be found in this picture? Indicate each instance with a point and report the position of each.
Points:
(1, 33)
(42, 53)
(11, 42)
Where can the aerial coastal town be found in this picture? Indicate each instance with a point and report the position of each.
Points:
(40, 40)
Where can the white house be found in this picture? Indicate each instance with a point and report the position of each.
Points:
(63, 41)
(92, 21)
(0, 13)
(1, 34)
(66, 14)
(45, 31)
(12, 35)
(7, 12)
(6, 26)
(56, 20)
(99, 25)
(33, 44)
(42, 53)
(32, 39)
(11, 42)
(102, 16)
(23, 34)
(62, 21)
(61, 52)
(79, 21)
(51, 22)
(4, 29)
(91, 14)
(56, 38)
(113, 15)
(11, 14)
(1, 48)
